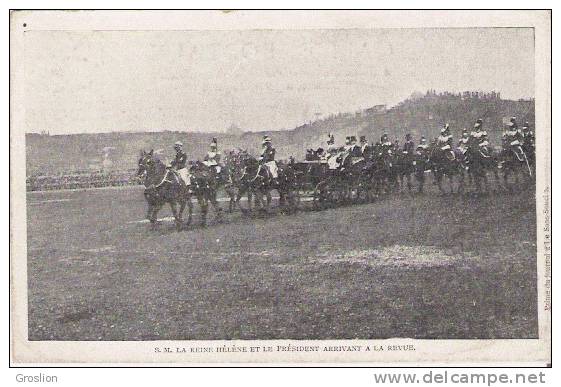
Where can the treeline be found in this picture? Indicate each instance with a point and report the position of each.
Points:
(420, 115)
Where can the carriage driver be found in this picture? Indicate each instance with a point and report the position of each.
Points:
(179, 163)
(267, 157)
(212, 158)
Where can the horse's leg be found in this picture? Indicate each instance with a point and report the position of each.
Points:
(216, 206)
(173, 206)
(182, 203)
(203, 204)
(269, 198)
(438, 181)
(190, 210)
(149, 212)
(409, 185)
(154, 214)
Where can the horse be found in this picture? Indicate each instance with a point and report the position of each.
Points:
(478, 161)
(257, 181)
(205, 183)
(513, 161)
(381, 166)
(404, 168)
(444, 163)
(421, 164)
(163, 186)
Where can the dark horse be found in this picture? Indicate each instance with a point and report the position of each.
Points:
(444, 163)
(478, 161)
(163, 185)
(247, 176)
(514, 161)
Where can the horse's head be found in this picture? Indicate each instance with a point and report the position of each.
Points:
(145, 163)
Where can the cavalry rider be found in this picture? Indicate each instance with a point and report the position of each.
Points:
(513, 139)
(528, 135)
(478, 137)
(179, 163)
(422, 148)
(463, 144)
(268, 157)
(354, 148)
(444, 141)
(409, 145)
(212, 158)
(386, 144)
(364, 147)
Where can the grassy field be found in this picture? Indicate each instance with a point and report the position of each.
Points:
(424, 267)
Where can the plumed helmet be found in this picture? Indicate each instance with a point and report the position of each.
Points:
(178, 144)
(214, 143)
(266, 140)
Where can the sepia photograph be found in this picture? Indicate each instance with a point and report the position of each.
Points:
(352, 183)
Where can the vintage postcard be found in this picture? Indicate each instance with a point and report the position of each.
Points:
(352, 187)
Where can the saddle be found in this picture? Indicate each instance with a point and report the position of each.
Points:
(183, 175)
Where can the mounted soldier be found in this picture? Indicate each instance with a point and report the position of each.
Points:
(267, 157)
(364, 147)
(212, 158)
(528, 136)
(463, 143)
(513, 140)
(445, 142)
(408, 146)
(386, 144)
(354, 149)
(179, 163)
(479, 139)
(423, 146)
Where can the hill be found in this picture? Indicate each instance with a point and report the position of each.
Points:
(419, 115)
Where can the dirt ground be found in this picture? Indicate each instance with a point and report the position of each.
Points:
(427, 266)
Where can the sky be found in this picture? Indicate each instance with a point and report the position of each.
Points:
(101, 81)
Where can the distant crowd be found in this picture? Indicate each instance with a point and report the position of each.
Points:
(94, 179)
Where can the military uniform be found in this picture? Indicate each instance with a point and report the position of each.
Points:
(528, 136)
(268, 157)
(444, 141)
(179, 164)
(463, 143)
(180, 160)
(408, 147)
(512, 136)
